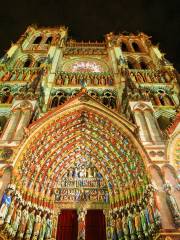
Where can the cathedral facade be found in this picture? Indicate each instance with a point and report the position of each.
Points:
(90, 139)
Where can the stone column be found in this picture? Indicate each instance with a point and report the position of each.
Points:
(81, 223)
(113, 59)
(55, 224)
(152, 126)
(11, 125)
(143, 129)
(24, 120)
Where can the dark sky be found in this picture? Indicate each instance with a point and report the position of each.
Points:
(91, 20)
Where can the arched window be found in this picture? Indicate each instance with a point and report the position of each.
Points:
(130, 65)
(109, 99)
(27, 63)
(54, 102)
(58, 99)
(143, 65)
(136, 47)
(49, 40)
(124, 47)
(37, 40)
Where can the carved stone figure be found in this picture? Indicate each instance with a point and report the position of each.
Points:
(48, 232)
(23, 222)
(5, 203)
(30, 224)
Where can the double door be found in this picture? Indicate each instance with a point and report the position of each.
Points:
(95, 228)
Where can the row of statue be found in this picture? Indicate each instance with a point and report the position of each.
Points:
(66, 182)
(87, 50)
(22, 220)
(65, 79)
(157, 98)
(147, 76)
(19, 75)
(78, 195)
(83, 171)
(137, 222)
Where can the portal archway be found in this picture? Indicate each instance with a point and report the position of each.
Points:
(83, 132)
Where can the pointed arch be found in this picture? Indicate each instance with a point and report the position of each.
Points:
(82, 127)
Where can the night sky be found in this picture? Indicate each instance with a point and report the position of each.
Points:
(91, 20)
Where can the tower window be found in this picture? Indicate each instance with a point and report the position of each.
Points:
(144, 65)
(124, 47)
(37, 40)
(136, 47)
(49, 40)
(27, 63)
(130, 65)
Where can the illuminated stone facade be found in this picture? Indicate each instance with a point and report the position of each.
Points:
(88, 125)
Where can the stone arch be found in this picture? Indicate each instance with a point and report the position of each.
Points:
(124, 46)
(39, 60)
(37, 39)
(137, 46)
(87, 141)
(169, 174)
(20, 116)
(171, 179)
(81, 128)
(146, 61)
(160, 196)
(49, 39)
(132, 63)
(157, 176)
(23, 58)
(149, 129)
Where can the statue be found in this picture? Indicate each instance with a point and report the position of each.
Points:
(81, 224)
(130, 221)
(143, 222)
(172, 204)
(119, 228)
(48, 232)
(23, 222)
(30, 225)
(37, 226)
(5, 203)
(43, 227)
(114, 230)
(10, 211)
(16, 222)
(137, 223)
(125, 227)
(63, 36)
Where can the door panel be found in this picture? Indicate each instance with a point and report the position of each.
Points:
(67, 225)
(95, 225)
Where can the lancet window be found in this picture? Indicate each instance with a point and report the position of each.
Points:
(58, 99)
(37, 40)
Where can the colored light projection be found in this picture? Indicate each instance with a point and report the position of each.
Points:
(62, 143)
(85, 65)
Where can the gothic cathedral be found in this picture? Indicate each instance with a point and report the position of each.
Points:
(89, 139)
